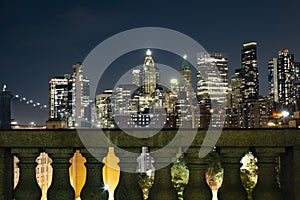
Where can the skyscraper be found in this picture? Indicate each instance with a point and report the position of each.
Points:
(212, 76)
(284, 83)
(150, 74)
(286, 79)
(234, 117)
(212, 86)
(273, 79)
(59, 98)
(104, 109)
(80, 97)
(186, 71)
(250, 71)
(250, 84)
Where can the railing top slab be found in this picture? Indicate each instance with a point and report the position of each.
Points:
(70, 138)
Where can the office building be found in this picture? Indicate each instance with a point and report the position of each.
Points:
(59, 98)
(104, 110)
(80, 97)
(212, 87)
(273, 79)
(250, 72)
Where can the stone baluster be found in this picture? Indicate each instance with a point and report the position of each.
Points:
(232, 188)
(197, 186)
(128, 187)
(60, 187)
(163, 187)
(6, 173)
(27, 187)
(94, 187)
(266, 187)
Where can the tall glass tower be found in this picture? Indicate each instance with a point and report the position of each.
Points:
(250, 71)
(80, 97)
(286, 78)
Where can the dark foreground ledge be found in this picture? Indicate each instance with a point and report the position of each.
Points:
(266, 145)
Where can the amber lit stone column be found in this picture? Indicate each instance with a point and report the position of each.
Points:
(93, 188)
(267, 187)
(27, 187)
(232, 188)
(60, 187)
(6, 173)
(197, 187)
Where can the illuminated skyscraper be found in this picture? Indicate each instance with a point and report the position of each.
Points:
(59, 99)
(249, 66)
(284, 83)
(286, 78)
(80, 97)
(250, 84)
(273, 79)
(212, 86)
(104, 109)
(234, 111)
(212, 76)
(150, 74)
(186, 71)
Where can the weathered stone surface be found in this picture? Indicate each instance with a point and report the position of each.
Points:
(266, 144)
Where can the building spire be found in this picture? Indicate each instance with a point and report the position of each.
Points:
(148, 52)
(185, 64)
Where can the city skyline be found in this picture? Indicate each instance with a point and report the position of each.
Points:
(169, 77)
(44, 39)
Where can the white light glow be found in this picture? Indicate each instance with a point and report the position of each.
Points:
(185, 57)
(105, 187)
(148, 53)
(173, 81)
(285, 113)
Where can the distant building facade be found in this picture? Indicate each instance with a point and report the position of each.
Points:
(69, 100)
(81, 110)
(212, 87)
(284, 82)
(59, 98)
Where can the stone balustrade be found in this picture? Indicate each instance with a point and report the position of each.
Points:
(265, 144)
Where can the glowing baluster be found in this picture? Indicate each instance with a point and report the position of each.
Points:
(77, 173)
(214, 174)
(179, 175)
(16, 171)
(111, 172)
(44, 173)
(249, 174)
(146, 172)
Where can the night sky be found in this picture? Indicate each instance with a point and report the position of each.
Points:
(41, 39)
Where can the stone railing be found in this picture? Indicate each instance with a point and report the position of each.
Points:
(265, 144)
